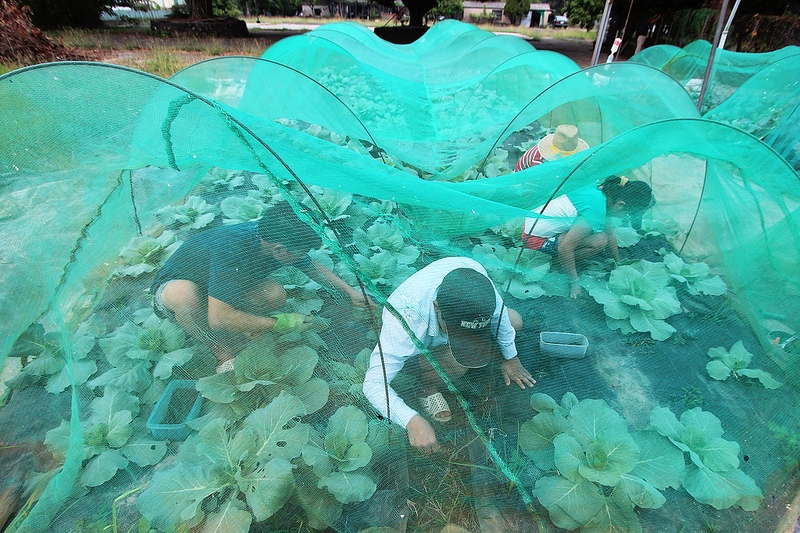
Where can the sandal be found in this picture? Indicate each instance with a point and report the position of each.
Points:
(434, 405)
(225, 366)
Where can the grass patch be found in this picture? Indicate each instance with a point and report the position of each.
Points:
(137, 47)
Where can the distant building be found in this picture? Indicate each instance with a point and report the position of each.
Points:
(538, 15)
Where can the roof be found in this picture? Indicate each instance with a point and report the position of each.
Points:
(501, 5)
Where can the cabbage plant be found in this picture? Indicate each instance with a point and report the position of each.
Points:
(239, 209)
(597, 471)
(194, 213)
(230, 475)
(695, 276)
(141, 350)
(145, 253)
(109, 445)
(505, 265)
(383, 236)
(637, 297)
(712, 475)
(734, 363)
(46, 359)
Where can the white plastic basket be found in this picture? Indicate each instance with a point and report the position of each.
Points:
(568, 345)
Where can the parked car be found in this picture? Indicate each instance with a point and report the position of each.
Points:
(559, 21)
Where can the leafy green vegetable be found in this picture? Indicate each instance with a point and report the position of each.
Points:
(146, 253)
(712, 475)
(249, 463)
(338, 455)
(637, 298)
(195, 213)
(266, 368)
(46, 358)
(600, 471)
(239, 209)
(696, 276)
(334, 204)
(500, 263)
(387, 237)
(138, 353)
(107, 432)
(383, 268)
(734, 363)
(626, 236)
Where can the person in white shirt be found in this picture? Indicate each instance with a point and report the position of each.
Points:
(453, 309)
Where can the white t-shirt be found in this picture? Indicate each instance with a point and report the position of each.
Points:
(564, 212)
(413, 299)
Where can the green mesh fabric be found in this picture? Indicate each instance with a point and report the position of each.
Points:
(756, 93)
(680, 415)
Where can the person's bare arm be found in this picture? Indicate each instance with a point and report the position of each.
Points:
(225, 317)
(567, 245)
(319, 272)
(612, 247)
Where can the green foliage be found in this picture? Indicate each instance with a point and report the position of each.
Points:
(637, 298)
(146, 253)
(140, 351)
(695, 276)
(194, 213)
(790, 439)
(45, 358)
(584, 12)
(482, 18)
(234, 474)
(238, 209)
(712, 475)
(734, 363)
(108, 446)
(499, 263)
(226, 8)
(691, 397)
(448, 9)
(516, 10)
(598, 471)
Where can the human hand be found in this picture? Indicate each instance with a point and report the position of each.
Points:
(286, 322)
(421, 435)
(513, 370)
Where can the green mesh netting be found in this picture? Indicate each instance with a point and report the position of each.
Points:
(756, 93)
(679, 415)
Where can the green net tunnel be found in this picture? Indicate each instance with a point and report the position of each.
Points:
(274, 208)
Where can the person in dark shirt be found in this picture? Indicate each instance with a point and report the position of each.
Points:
(216, 285)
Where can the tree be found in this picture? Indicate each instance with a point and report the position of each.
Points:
(200, 9)
(584, 12)
(516, 10)
(417, 10)
(448, 8)
(51, 14)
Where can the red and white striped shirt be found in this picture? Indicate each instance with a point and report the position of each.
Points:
(530, 158)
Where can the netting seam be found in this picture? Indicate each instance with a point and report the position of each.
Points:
(73, 255)
(133, 203)
(172, 113)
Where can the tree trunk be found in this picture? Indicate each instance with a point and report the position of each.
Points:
(200, 9)
(417, 10)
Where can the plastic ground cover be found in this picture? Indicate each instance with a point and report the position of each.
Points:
(682, 412)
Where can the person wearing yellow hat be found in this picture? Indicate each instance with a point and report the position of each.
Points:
(564, 142)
